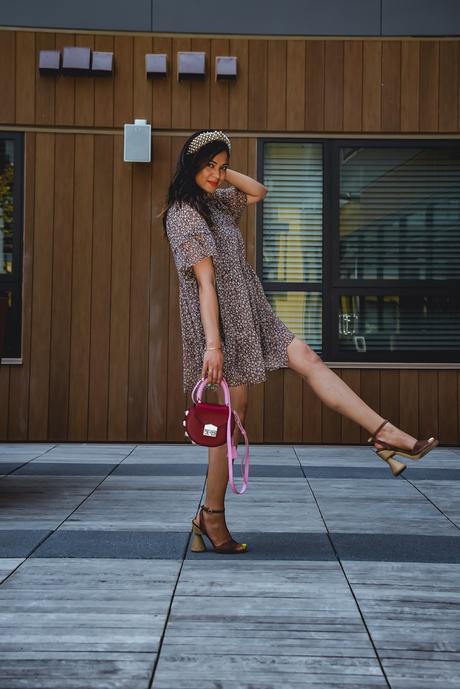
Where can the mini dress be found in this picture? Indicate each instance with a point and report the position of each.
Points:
(254, 340)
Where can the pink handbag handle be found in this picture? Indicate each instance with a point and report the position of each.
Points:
(232, 452)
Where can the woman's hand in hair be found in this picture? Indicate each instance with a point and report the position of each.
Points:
(213, 364)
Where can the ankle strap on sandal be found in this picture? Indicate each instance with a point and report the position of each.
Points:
(374, 435)
(210, 511)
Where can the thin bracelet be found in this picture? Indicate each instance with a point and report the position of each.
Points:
(210, 349)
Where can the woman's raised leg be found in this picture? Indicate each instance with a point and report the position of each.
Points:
(338, 396)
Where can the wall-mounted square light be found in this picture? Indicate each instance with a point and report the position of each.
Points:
(101, 64)
(226, 67)
(49, 61)
(76, 61)
(191, 65)
(156, 65)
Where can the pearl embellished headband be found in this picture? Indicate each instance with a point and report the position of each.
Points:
(206, 138)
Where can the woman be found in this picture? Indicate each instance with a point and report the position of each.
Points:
(228, 326)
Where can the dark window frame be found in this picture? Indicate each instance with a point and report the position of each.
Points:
(332, 286)
(12, 282)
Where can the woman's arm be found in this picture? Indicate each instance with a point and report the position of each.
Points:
(254, 190)
(213, 360)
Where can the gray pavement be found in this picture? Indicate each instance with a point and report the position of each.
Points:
(352, 578)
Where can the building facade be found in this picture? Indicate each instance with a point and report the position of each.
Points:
(357, 243)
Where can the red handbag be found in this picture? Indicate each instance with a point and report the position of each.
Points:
(206, 424)
(213, 425)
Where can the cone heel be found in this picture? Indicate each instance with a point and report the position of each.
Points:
(388, 457)
(198, 545)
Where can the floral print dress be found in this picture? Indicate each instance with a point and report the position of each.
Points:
(254, 339)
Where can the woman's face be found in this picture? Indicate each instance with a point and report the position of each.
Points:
(212, 174)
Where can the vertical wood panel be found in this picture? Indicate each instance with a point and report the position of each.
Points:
(292, 421)
(219, 90)
(391, 86)
(239, 89)
(448, 407)
(410, 85)
(120, 296)
(142, 86)
(273, 407)
(351, 432)
(20, 375)
(314, 86)
(276, 97)
(429, 86)
(25, 76)
(372, 79)
(62, 287)
(159, 298)
(333, 86)
(161, 88)
(199, 91)
(81, 287)
(45, 85)
(409, 402)
(295, 86)
(84, 89)
(7, 77)
(257, 94)
(139, 320)
(104, 86)
(255, 418)
(448, 86)
(389, 395)
(4, 400)
(353, 86)
(64, 110)
(123, 87)
(4, 397)
(312, 431)
(428, 404)
(370, 393)
(42, 287)
(100, 296)
(180, 96)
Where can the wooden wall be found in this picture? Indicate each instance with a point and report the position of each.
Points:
(101, 335)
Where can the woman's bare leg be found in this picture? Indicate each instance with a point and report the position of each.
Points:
(216, 484)
(338, 396)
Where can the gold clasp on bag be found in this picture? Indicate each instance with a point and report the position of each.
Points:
(210, 430)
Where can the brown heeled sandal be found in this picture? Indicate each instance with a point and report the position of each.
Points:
(420, 449)
(230, 547)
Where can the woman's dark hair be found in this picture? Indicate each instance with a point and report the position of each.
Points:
(183, 188)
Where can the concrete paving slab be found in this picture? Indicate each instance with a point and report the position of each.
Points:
(397, 547)
(140, 545)
(17, 543)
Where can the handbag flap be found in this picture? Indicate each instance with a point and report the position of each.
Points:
(211, 413)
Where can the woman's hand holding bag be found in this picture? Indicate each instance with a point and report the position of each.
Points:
(213, 425)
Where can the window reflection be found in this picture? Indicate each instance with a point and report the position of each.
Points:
(6, 205)
(400, 213)
(399, 323)
(293, 212)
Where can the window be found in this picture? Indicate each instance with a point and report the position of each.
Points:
(11, 155)
(359, 246)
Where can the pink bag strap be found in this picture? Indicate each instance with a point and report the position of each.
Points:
(232, 452)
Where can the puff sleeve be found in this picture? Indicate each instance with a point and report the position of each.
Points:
(189, 236)
(234, 200)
